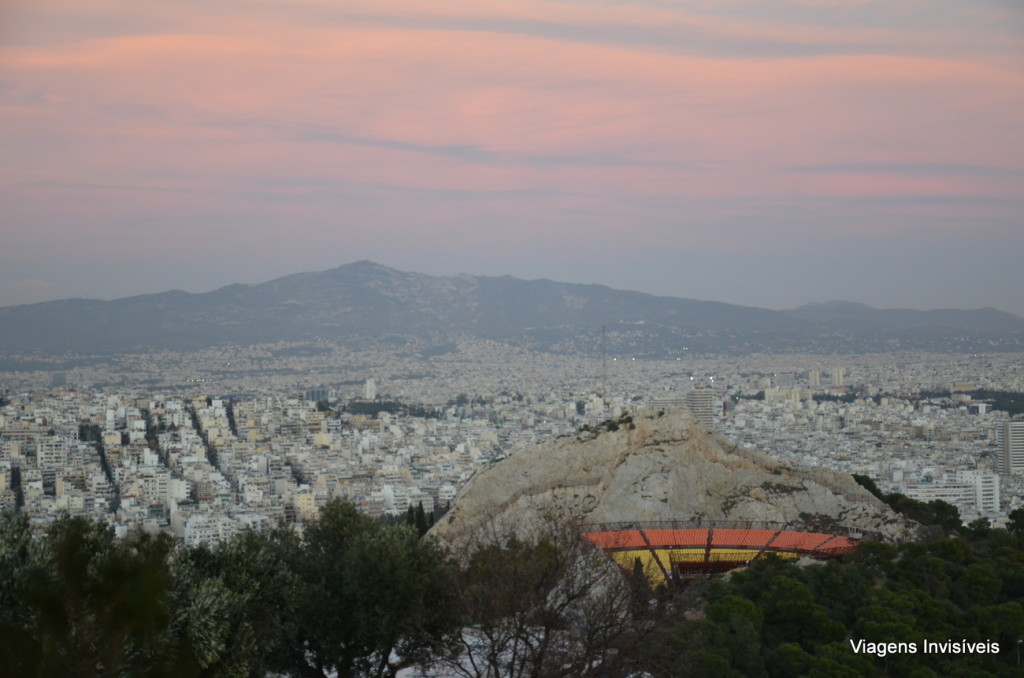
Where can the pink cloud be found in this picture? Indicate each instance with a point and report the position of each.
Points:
(195, 118)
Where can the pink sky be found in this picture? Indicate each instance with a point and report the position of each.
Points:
(717, 150)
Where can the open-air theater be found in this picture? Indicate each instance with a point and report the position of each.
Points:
(674, 552)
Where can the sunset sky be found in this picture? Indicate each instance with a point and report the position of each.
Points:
(758, 153)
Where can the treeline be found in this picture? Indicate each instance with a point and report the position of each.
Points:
(937, 518)
(359, 598)
(1011, 402)
(350, 595)
(1008, 401)
(373, 407)
(850, 397)
(780, 619)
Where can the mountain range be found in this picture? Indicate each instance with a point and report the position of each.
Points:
(364, 303)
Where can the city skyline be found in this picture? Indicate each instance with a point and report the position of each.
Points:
(725, 151)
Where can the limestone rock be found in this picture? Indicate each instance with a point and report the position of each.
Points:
(658, 466)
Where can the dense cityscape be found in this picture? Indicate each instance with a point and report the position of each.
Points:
(530, 339)
(208, 444)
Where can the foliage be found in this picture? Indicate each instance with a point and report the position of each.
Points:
(940, 515)
(77, 602)
(1011, 402)
(353, 596)
(836, 398)
(868, 484)
(778, 618)
(370, 593)
(374, 407)
(358, 598)
(235, 604)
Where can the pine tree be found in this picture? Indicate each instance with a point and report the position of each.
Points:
(421, 520)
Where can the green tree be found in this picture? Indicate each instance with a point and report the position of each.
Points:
(841, 589)
(86, 605)
(420, 520)
(943, 517)
(370, 593)
(868, 484)
(792, 615)
(979, 585)
(686, 649)
(740, 622)
(235, 605)
(1016, 522)
(19, 556)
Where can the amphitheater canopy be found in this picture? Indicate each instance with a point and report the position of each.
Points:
(679, 551)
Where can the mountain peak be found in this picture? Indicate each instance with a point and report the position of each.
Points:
(365, 265)
(364, 301)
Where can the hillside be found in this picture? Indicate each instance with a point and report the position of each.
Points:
(658, 466)
(365, 304)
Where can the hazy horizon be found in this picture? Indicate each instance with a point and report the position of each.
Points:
(765, 156)
(499, 274)
(725, 301)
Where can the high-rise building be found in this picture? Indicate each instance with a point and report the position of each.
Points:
(1011, 454)
(369, 390)
(965, 489)
(986, 488)
(315, 395)
(701, 402)
(838, 377)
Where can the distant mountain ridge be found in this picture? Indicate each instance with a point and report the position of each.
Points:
(365, 302)
(847, 313)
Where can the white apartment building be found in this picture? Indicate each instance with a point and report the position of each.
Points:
(968, 489)
(701, 402)
(1011, 451)
(52, 453)
(204, 528)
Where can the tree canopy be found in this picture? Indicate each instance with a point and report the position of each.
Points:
(357, 598)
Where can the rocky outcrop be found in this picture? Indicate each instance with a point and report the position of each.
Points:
(656, 466)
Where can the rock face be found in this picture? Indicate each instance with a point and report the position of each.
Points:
(657, 466)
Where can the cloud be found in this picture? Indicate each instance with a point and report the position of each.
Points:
(710, 125)
(940, 169)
